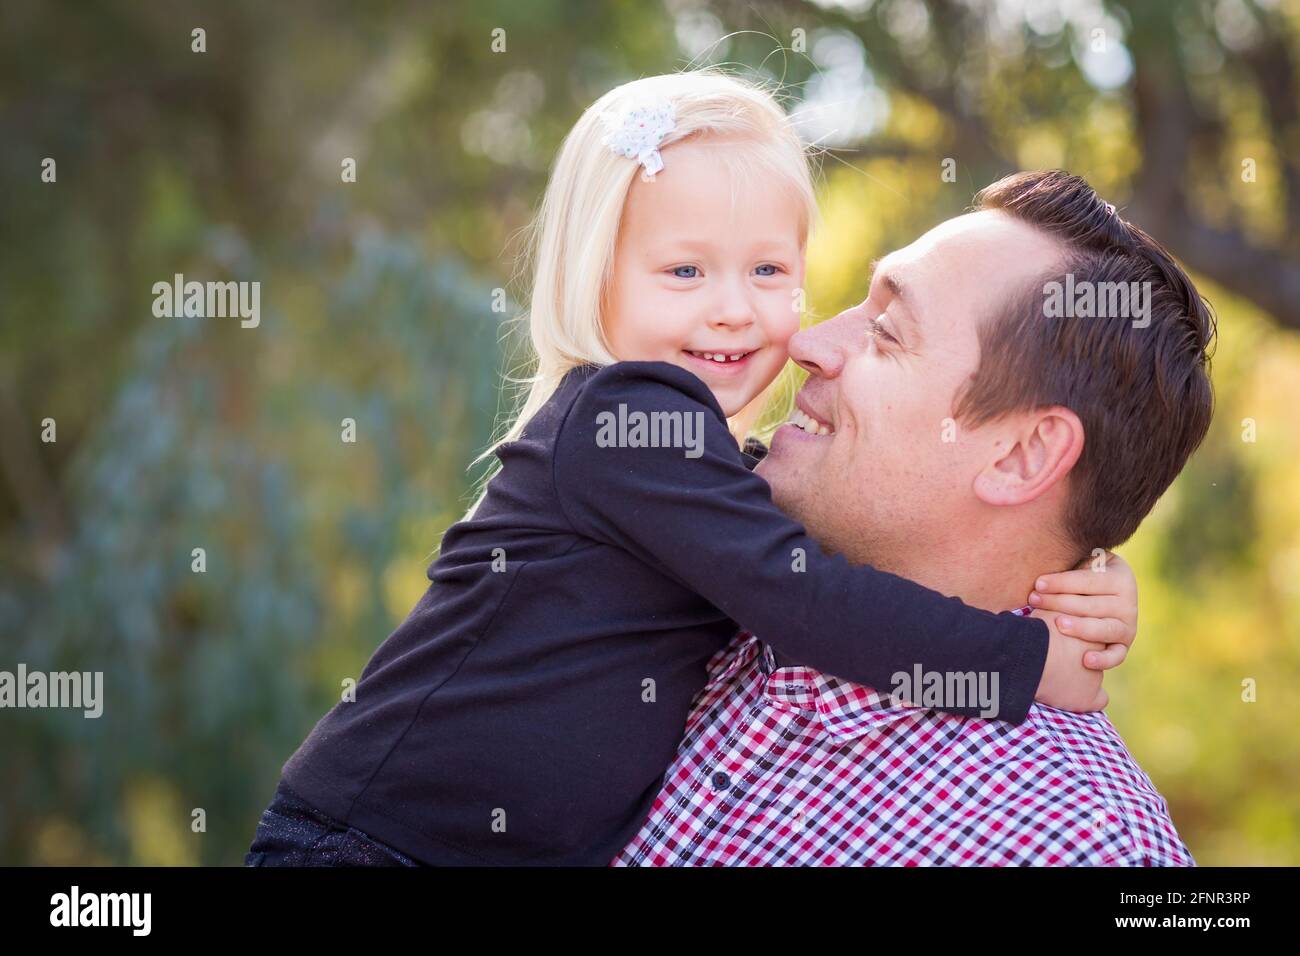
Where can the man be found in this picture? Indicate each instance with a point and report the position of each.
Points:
(979, 432)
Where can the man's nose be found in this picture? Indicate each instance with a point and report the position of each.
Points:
(824, 348)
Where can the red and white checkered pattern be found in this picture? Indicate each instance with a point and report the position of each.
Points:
(787, 766)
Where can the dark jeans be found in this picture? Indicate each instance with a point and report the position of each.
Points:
(294, 833)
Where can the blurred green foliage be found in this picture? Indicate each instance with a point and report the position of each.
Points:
(377, 305)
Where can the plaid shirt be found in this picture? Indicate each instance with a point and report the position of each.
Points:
(788, 766)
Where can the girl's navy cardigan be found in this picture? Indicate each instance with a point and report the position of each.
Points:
(526, 710)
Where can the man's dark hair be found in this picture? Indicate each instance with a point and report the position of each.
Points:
(1143, 394)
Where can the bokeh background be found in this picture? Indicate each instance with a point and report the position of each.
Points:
(377, 305)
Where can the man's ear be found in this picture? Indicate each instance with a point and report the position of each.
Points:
(1038, 450)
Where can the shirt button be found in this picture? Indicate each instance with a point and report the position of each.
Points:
(721, 781)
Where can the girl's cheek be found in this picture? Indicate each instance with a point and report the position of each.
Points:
(783, 326)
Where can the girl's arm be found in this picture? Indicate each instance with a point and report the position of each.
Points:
(695, 512)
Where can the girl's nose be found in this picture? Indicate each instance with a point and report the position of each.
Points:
(734, 311)
(735, 319)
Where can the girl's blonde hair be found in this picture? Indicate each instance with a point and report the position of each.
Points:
(572, 239)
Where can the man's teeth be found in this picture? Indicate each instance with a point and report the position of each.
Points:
(801, 420)
(720, 357)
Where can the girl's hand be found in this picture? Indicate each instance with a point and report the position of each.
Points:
(1066, 684)
(1093, 633)
(1097, 602)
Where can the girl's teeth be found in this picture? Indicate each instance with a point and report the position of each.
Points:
(720, 357)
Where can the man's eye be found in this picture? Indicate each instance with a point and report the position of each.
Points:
(767, 269)
(686, 272)
(876, 329)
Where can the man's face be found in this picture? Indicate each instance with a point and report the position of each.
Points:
(892, 481)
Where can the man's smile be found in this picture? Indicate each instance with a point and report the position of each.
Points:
(807, 418)
(801, 419)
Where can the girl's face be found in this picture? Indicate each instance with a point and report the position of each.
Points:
(706, 270)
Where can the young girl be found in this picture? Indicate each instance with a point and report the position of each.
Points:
(526, 710)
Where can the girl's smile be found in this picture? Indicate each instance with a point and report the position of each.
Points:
(708, 364)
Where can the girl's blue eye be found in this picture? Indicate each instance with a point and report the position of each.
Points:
(766, 266)
(692, 272)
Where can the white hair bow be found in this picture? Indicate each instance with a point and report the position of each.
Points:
(637, 132)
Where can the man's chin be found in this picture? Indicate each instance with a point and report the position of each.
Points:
(784, 467)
